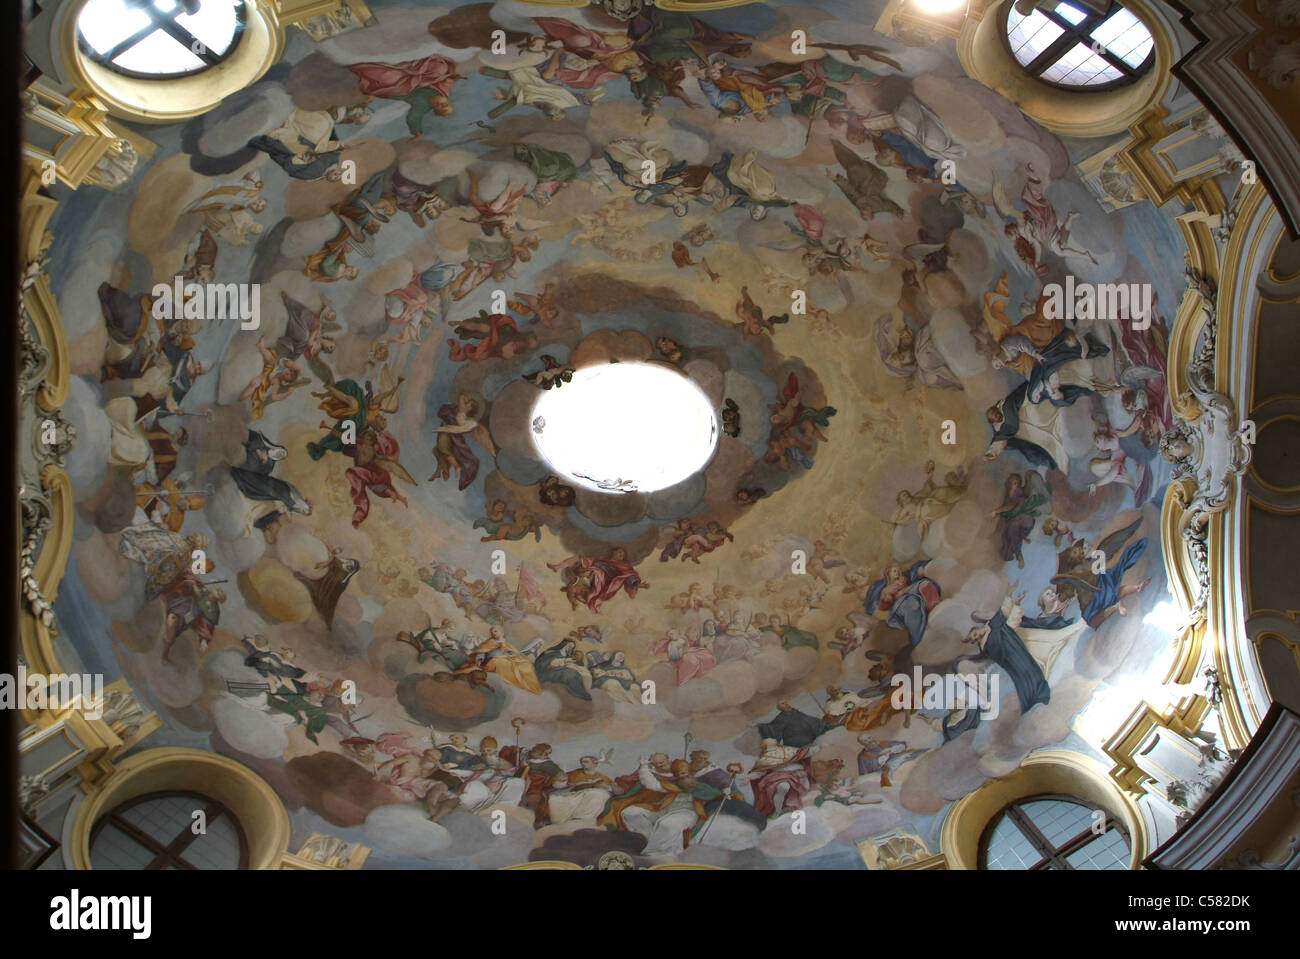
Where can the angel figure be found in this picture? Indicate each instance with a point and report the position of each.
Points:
(878, 250)
(552, 373)
(374, 455)
(1023, 497)
(928, 257)
(1099, 595)
(1041, 222)
(863, 183)
(820, 256)
(821, 559)
(501, 523)
(345, 403)
(1113, 465)
(460, 422)
(497, 335)
(794, 427)
(1038, 228)
(278, 379)
(704, 540)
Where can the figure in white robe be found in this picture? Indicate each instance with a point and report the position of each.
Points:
(581, 795)
(923, 127)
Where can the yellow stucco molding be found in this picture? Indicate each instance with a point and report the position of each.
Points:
(985, 57)
(248, 796)
(1045, 771)
(179, 98)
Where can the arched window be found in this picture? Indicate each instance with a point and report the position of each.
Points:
(159, 39)
(157, 831)
(1054, 832)
(1088, 44)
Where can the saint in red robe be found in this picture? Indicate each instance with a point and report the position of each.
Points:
(608, 576)
(372, 476)
(393, 80)
(795, 772)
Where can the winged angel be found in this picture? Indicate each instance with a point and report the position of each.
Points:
(359, 432)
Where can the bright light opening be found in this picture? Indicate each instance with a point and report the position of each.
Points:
(625, 427)
(159, 39)
(939, 6)
(1164, 617)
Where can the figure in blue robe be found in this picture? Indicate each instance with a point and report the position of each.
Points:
(910, 609)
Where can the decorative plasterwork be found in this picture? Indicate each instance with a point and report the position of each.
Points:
(1171, 762)
(248, 797)
(322, 851)
(42, 480)
(1244, 62)
(1237, 826)
(1249, 249)
(1045, 771)
(1209, 450)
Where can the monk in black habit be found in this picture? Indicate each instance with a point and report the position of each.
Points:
(255, 481)
(996, 640)
(792, 728)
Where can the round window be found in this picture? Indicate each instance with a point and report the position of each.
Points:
(1080, 44)
(159, 39)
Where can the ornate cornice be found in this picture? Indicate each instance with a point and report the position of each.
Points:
(1245, 57)
(1209, 449)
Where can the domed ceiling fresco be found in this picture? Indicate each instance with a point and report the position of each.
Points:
(320, 538)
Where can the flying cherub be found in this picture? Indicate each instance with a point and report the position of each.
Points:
(751, 319)
(552, 373)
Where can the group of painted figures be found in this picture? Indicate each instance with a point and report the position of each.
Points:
(149, 370)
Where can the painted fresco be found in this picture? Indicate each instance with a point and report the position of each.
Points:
(328, 548)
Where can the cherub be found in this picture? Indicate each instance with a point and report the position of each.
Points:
(503, 525)
(705, 540)
(751, 317)
(877, 249)
(821, 559)
(551, 374)
(730, 417)
(1054, 528)
(497, 335)
(687, 601)
(551, 492)
(540, 306)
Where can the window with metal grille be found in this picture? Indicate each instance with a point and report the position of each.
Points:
(157, 831)
(1080, 44)
(159, 39)
(1054, 832)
